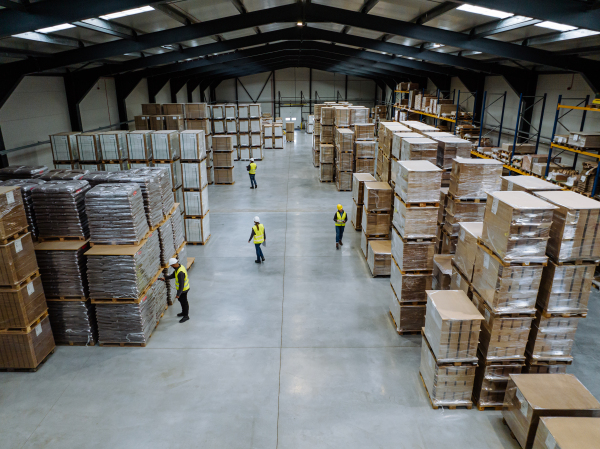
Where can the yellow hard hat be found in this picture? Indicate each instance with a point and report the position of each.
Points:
(340, 207)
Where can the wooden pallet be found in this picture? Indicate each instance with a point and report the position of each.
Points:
(66, 298)
(564, 314)
(468, 406)
(483, 246)
(513, 361)
(333, 180)
(466, 200)
(403, 332)
(200, 243)
(17, 235)
(20, 284)
(26, 329)
(62, 239)
(576, 262)
(27, 370)
(190, 262)
(482, 408)
(76, 343)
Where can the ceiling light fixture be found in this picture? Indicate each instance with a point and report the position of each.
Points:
(63, 26)
(437, 45)
(555, 26)
(129, 12)
(300, 23)
(485, 11)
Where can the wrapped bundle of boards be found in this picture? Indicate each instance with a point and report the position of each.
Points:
(22, 172)
(27, 186)
(73, 322)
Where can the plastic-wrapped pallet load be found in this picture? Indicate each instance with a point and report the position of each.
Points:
(567, 433)
(529, 184)
(442, 271)
(167, 245)
(26, 185)
(491, 381)
(449, 148)
(21, 305)
(415, 222)
(196, 203)
(122, 271)
(97, 177)
(63, 268)
(116, 213)
(22, 172)
(379, 257)
(28, 348)
(192, 144)
(166, 186)
(139, 145)
(178, 228)
(419, 182)
(165, 145)
(197, 230)
(62, 174)
(530, 397)
(551, 339)
(113, 145)
(565, 288)
(64, 146)
(12, 211)
(474, 178)
(194, 175)
(73, 322)
(89, 147)
(17, 261)
(419, 149)
(466, 248)
(60, 209)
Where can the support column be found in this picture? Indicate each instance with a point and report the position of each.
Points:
(124, 85)
(346, 89)
(310, 105)
(3, 157)
(73, 103)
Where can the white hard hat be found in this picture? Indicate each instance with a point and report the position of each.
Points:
(251, 159)
(256, 219)
(173, 261)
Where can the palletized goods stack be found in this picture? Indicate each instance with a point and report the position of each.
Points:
(365, 147)
(173, 116)
(149, 181)
(383, 168)
(273, 136)
(139, 148)
(376, 213)
(27, 185)
(327, 162)
(413, 241)
(344, 157)
(463, 263)
(316, 139)
(470, 181)
(573, 250)
(113, 150)
(88, 146)
(449, 348)
(358, 195)
(65, 152)
(166, 153)
(25, 334)
(442, 272)
(441, 217)
(525, 183)
(218, 128)
(532, 397)
(449, 147)
(166, 187)
(223, 157)
(198, 118)
(509, 260)
(256, 135)
(22, 172)
(327, 122)
(316, 149)
(179, 242)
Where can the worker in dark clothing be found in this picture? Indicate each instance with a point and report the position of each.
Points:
(260, 236)
(340, 218)
(182, 285)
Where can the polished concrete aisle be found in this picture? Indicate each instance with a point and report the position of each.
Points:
(296, 353)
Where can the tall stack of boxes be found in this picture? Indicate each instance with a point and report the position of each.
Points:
(326, 139)
(256, 135)
(365, 147)
(231, 127)
(139, 148)
(416, 203)
(25, 334)
(344, 156)
(273, 135)
(358, 195)
(166, 152)
(383, 167)
(316, 138)
(449, 147)
(88, 146)
(223, 157)
(376, 213)
(65, 152)
(113, 150)
(470, 181)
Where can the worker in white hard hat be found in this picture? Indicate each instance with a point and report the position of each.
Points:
(182, 284)
(260, 236)
(252, 171)
(340, 218)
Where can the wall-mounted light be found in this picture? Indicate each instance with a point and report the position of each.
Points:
(300, 23)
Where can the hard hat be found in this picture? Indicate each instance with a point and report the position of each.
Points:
(256, 219)
(340, 207)
(173, 261)
(251, 159)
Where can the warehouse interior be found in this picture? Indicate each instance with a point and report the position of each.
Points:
(457, 306)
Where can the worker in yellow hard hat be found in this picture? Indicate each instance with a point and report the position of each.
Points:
(340, 218)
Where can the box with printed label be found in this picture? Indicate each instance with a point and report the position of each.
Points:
(26, 349)
(17, 261)
(139, 145)
(64, 146)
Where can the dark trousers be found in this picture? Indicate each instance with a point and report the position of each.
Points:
(253, 180)
(259, 254)
(185, 306)
(339, 233)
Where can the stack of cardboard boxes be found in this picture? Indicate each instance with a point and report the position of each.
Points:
(344, 155)
(358, 195)
(223, 157)
(376, 213)
(365, 146)
(326, 139)
(166, 153)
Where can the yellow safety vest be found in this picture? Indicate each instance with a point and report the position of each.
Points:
(252, 168)
(259, 233)
(340, 218)
(186, 282)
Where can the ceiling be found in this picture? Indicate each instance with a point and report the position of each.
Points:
(387, 40)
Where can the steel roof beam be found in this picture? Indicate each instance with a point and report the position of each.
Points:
(433, 13)
(239, 5)
(48, 38)
(181, 16)
(107, 27)
(367, 6)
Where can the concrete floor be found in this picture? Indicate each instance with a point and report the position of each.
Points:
(297, 353)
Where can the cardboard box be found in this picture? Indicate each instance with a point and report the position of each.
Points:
(344, 139)
(173, 109)
(342, 116)
(12, 211)
(22, 305)
(458, 211)
(442, 271)
(567, 433)
(326, 135)
(192, 145)
(344, 161)
(151, 109)
(327, 115)
(89, 147)
(64, 146)
(443, 202)
(139, 145)
(418, 182)
(584, 139)
(490, 382)
(466, 248)
(327, 172)
(165, 145)
(197, 230)
(175, 122)
(379, 257)
(364, 242)
(520, 148)
(532, 396)
(27, 349)
(516, 226)
(375, 223)
(222, 143)
(449, 148)
(343, 180)
(174, 169)
(452, 326)
(17, 261)
(418, 149)
(505, 289)
(195, 204)
(377, 196)
(356, 216)
(412, 255)
(474, 178)
(194, 174)
(365, 166)
(157, 122)
(223, 175)
(415, 222)
(197, 111)
(551, 338)
(364, 131)
(204, 125)
(397, 138)
(407, 317)
(327, 154)
(223, 159)
(565, 288)
(575, 226)
(365, 149)
(525, 183)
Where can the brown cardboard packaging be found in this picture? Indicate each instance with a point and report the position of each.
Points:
(415, 222)
(343, 180)
(173, 109)
(327, 153)
(442, 271)
(448, 243)
(141, 122)
(452, 326)
(502, 337)
(526, 183)
(409, 287)
(397, 138)
(223, 159)
(459, 282)
(365, 149)
(545, 368)
(27, 349)
(458, 212)
(327, 115)
(364, 131)
(356, 216)
(151, 109)
(326, 134)
(222, 143)
(466, 248)
(584, 139)
(157, 122)
(174, 122)
(366, 166)
(327, 172)
(364, 243)
(375, 223)
(17, 261)
(567, 433)
(12, 212)
(418, 149)
(22, 305)
(443, 202)
(532, 396)
(491, 381)
(377, 196)
(344, 161)
(412, 255)
(449, 148)
(407, 317)
(565, 288)
(358, 192)
(447, 385)
(344, 139)
(419, 182)
(379, 257)
(516, 226)
(473, 178)
(197, 110)
(520, 148)
(505, 289)
(575, 226)
(223, 175)
(551, 338)
(199, 125)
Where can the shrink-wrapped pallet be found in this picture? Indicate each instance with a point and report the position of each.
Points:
(375, 223)
(379, 257)
(452, 326)
(344, 139)
(166, 186)
(116, 213)
(342, 116)
(466, 248)
(113, 145)
(151, 189)
(398, 137)
(326, 172)
(412, 255)
(516, 226)
(63, 268)
(443, 202)
(366, 166)
(418, 182)
(64, 174)
(442, 271)
(415, 222)
(26, 349)
(64, 146)
(197, 230)
(167, 243)
(358, 115)
(409, 287)
(173, 171)
(532, 396)
(567, 433)
(565, 288)
(327, 115)
(222, 143)
(139, 145)
(343, 180)
(449, 148)
(525, 183)
(60, 209)
(458, 282)
(491, 381)
(73, 322)
(197, 111)
(22, 305)
(344, 161)
(505, 288)
(458, 211)
(377, 197)
(196, 203)
(178, 227)
(88, 145)
(575, 226)
(194, 174)
(12, 211)
(418, 149)
(365, 148)
(552, 338)
(364, 131)
(22, 172)
(326, 135)
(192, 145)
(474, 178)
(122, 271)
(408, 317)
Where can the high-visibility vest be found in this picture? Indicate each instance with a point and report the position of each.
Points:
(340, 218)
(259, 233)
(186, 282)
(252, 168)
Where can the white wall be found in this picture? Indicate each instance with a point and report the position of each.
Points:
(196, 95)
(134, 101)
(164, 95)
(182, 95)
(36, 109)
(99, 107)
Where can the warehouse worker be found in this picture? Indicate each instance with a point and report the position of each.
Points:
(340, 218)
(260, 236)
(182, 284)
(252, 171)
